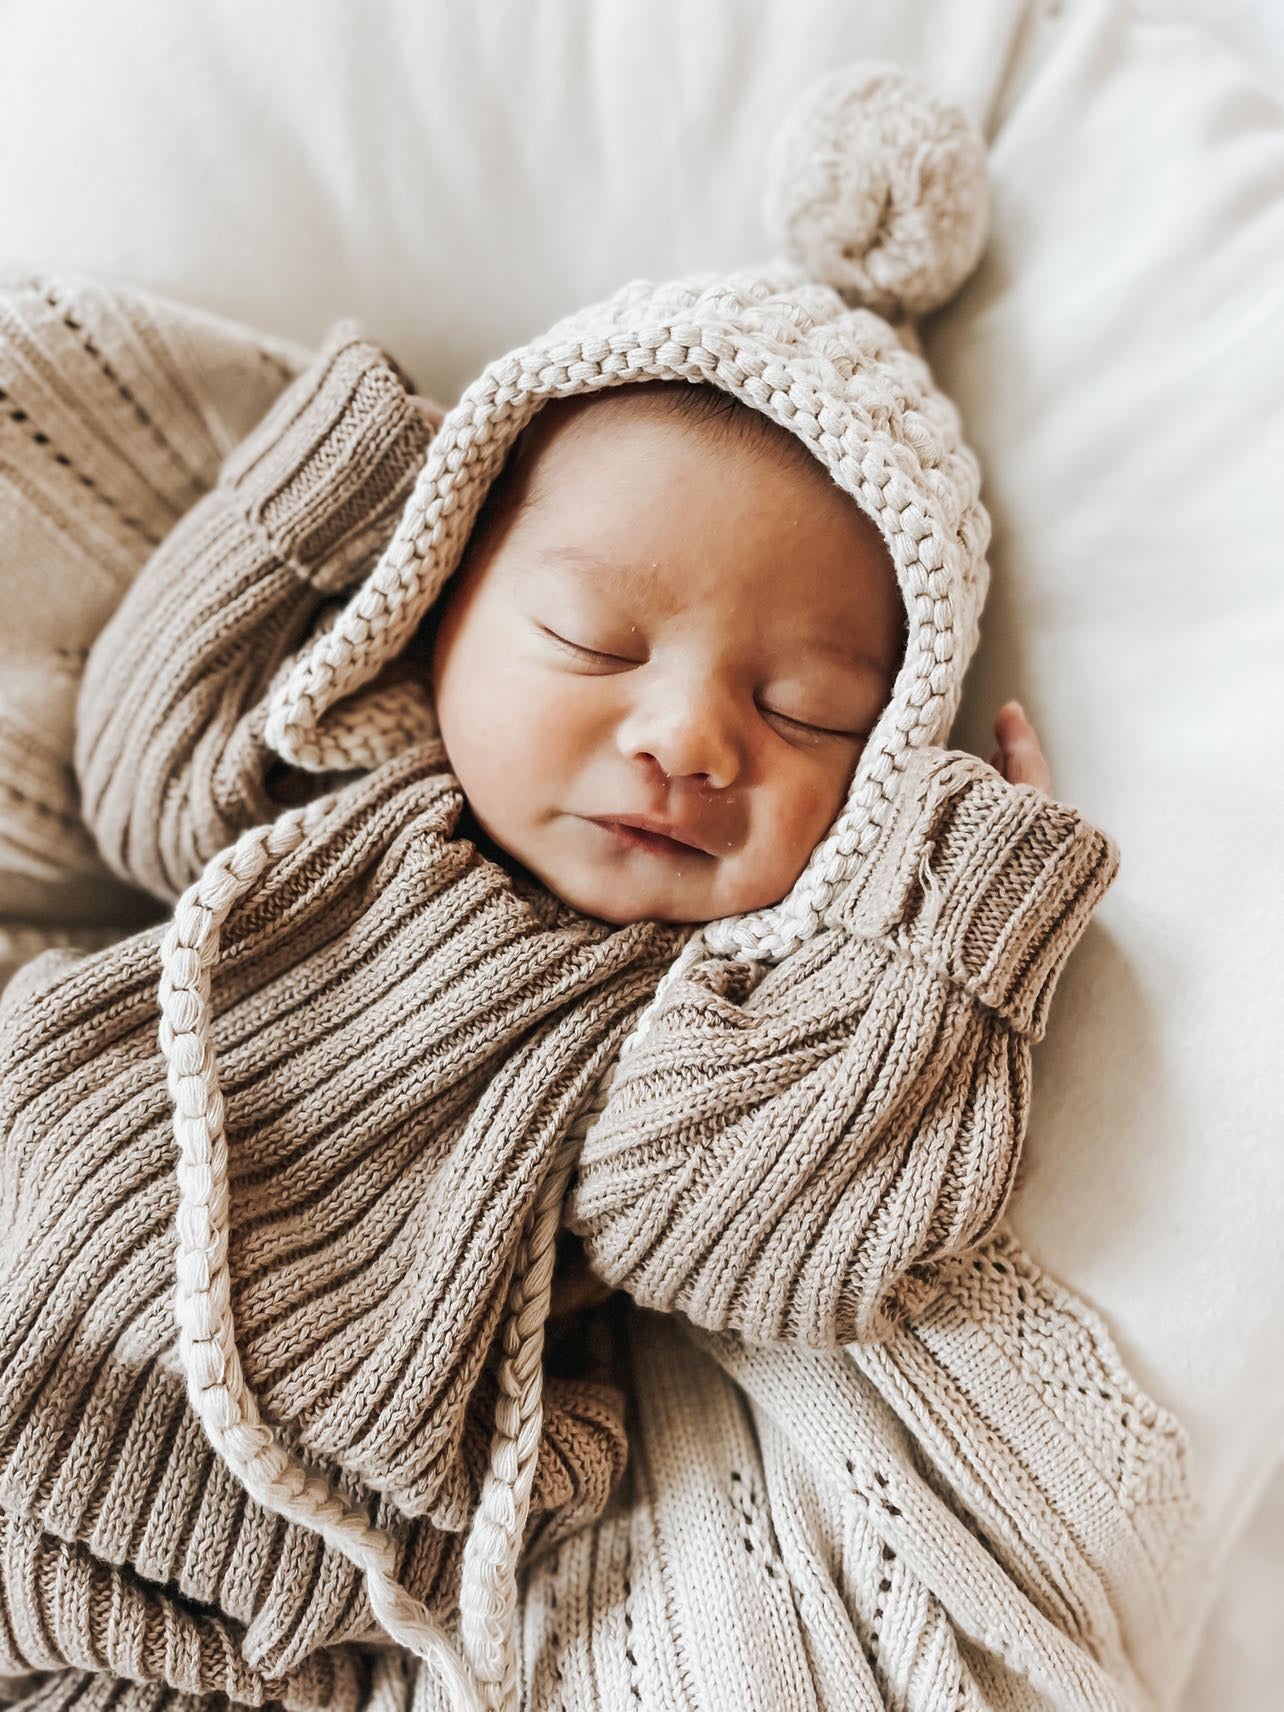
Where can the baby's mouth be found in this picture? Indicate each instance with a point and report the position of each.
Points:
(653, 842)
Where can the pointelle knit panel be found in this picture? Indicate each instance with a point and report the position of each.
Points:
(402, 1032)
(117, 409)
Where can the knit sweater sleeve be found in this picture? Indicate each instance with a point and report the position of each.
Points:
(170, 754)
(792, 1155)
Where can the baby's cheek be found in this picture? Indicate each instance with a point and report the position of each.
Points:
(532, 761)
(790, 814)
(476, 732)
(813, 800)
(559, 733)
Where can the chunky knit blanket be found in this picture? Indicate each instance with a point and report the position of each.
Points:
(834, 1442)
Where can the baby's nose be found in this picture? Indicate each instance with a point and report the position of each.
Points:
(702, 757)
(685, 737)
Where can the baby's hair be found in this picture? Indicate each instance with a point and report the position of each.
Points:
(721, 411)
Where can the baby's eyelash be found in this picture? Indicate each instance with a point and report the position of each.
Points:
(577, 648)
(819, 730)
(619, 660)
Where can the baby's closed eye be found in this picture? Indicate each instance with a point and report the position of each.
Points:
(816, 728)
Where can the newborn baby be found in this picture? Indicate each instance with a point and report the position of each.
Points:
(669, 614)
(667, 611)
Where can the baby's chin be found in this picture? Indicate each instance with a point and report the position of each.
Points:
(631, 885)
(609, 895)
(616, 892)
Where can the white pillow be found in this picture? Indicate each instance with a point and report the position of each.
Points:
(459, 176)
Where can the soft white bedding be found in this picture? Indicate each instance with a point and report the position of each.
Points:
(457, 176)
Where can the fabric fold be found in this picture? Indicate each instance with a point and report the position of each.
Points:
(384, 1149)
(328, 471)
(170, 750)
(988, 883)
(791, 1155)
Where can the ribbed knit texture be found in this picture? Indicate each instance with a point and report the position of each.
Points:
(456, 1035)
(820, 1137)
(874, 1457)
(298, 510)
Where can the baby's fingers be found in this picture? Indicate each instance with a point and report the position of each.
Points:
(1019, 757)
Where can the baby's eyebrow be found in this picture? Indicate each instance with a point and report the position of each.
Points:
(844, 651)
(629, 577)
(632, 578)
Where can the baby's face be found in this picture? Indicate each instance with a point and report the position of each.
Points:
(677, 626)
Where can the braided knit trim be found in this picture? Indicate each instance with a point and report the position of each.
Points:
(216, 1384)
(488, 1597)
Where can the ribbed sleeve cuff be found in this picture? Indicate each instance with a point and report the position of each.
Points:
(326, 474)
(990, 884)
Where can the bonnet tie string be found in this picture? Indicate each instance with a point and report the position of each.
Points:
(216, 1386)
(486, 1680)
(488, 1597)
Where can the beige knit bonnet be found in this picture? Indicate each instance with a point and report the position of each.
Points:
(877, 191)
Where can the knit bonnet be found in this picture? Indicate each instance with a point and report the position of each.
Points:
(877, 191)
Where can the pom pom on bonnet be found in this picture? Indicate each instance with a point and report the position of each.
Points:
(877, 191)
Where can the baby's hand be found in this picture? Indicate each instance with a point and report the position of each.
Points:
(1019, 758)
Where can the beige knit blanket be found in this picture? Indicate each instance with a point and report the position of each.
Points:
(832, 1372)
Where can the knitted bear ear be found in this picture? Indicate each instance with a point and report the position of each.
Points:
(880, 188)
